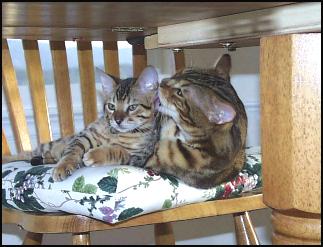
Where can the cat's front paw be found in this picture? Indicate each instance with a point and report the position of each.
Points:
(95, 157)
(64, 169)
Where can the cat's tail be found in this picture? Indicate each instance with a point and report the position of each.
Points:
(27, 156)
(23, 156)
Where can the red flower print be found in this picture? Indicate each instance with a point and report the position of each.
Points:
(227, 190)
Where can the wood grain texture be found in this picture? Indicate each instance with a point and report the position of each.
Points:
(151, 42)
(15, 107)
(5, 147)
(81, 238)
(164, 234)
(139, 59)
(87, 76)
(290, 71)
(179, 60)
(88, 20)
(293, 227)
(111, 58)
(37, 90)
(33, 238)
(62, 87)
(78, 224)
(294, 18)
(244, 229)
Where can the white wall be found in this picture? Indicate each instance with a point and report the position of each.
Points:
(212, 230)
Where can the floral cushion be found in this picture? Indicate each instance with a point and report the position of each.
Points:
(114, 193)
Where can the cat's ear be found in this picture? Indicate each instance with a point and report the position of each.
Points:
(217, 111)
(108, 83)
(101, 96)
(148, 80)
(223, 66)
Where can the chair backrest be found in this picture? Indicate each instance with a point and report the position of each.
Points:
(62, 87)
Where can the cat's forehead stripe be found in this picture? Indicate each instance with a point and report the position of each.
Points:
(201, 78)
(123, 89)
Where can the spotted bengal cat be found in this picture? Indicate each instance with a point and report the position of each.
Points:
(125, 135)
(204, 127)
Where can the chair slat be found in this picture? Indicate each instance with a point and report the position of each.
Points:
(5, 146)
(62, 86)
(86, 66)
(179, 60)
(139, 59)
(16, 110)
(37, 90)
(111, 58)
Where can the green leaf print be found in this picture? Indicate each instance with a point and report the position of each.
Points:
(21, 205)
(173, 180)
(114, 173)
(20, 175)
(108, 184)
(78, 184)
(89, 189)
(5, 173)
(33, 203)
(167, 203)
(38, 170)
(130, 212)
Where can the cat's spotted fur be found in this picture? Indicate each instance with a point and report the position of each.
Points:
(204, 131)
(126, 134)
(200, 137)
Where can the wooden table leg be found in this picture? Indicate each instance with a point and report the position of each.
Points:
(32, 238)
(139, 59)
(296, 228)
(164, 234)
(81, 238)
(290, 82)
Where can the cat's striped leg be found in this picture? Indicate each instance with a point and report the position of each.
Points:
(105, 155)
(72, 155)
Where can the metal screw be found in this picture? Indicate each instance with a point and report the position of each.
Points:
(228, 46)
(127, 29)
(177, 49)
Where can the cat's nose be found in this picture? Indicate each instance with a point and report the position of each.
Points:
(118, 117)
(118, 121)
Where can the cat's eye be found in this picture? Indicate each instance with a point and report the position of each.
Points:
(133, 107)
(111, 107)
(179, 92)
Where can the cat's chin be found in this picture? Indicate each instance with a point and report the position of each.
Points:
(124, 129)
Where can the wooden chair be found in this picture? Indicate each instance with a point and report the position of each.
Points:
(81, 226)
(296, 218)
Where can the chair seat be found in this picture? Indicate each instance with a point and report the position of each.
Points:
(62, 222)
(117, 193)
